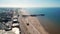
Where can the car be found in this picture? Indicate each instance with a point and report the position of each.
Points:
(15, 19)
(15, 16)
(9, 18)
(8, 26)
(15, 23)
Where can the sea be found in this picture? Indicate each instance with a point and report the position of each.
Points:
(51, 20)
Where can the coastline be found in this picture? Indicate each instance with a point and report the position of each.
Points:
(34, 25)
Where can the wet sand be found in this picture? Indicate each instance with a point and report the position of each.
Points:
(49, 26)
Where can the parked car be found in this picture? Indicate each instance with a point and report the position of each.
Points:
(8, 26)
(15, 22)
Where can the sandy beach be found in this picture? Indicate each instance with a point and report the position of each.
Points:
(34, 26)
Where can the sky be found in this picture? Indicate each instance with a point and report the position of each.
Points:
(29, 3)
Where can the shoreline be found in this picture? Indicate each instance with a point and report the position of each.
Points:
(34, 22)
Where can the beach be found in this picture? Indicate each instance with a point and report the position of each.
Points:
(34, 26)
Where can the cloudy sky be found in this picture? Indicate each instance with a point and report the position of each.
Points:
(29, 3)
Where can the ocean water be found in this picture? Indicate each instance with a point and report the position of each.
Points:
(51, 20)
